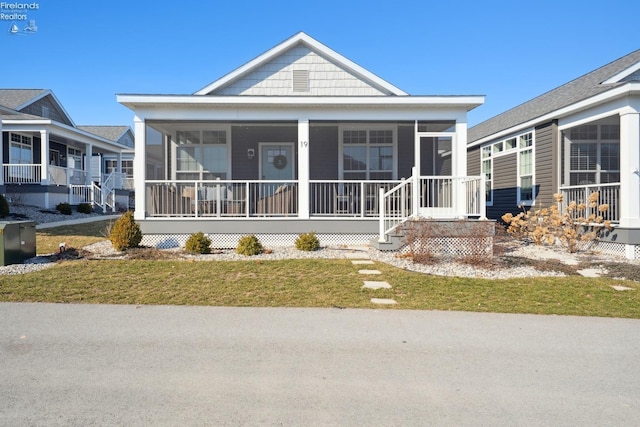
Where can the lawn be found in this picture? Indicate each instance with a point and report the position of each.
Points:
(303, 283)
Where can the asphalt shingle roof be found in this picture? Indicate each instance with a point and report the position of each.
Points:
(112, 133)
(13, 98)
(570, 93)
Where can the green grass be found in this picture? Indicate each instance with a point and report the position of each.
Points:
(299, 283)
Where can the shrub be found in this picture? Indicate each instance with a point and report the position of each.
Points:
(4, 207)
(198, 243)
(249, 245)
(578, 223)
(84, 208)
(125, 233)
(308, 242)
(64, 208)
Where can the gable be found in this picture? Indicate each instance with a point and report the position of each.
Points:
(310, 70)
(47, 107)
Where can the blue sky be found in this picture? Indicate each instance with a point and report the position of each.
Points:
(510, 51)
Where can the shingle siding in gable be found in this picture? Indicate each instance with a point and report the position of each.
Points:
(546, 163)
(54, 113)
(276, 78)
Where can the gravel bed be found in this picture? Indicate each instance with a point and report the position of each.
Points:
(42, 216)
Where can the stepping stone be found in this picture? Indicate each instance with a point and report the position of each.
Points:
(369, 272)
(590, 272)
(621, 288)
(383, 301)
(356, 255)
(362, 261)
(376, 285)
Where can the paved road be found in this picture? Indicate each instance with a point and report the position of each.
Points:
(126, 365)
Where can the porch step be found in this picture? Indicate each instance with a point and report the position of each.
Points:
(394, 242)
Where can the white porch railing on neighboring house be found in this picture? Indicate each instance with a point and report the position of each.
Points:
(608, 194)
(21, 174)
(81, 194)
(115, 180)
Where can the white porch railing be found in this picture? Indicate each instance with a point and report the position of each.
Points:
(341, 198)
(21, 174)
(222, 198)
(431, 196)
(608, 194)
(114, 180)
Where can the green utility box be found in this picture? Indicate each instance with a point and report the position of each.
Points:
(17, 241)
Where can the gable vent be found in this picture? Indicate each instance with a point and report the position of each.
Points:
(301, 80)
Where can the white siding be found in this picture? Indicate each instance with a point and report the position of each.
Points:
(325, 78)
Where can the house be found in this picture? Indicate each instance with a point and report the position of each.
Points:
(298, 139)
(579, 138)
(44, 154)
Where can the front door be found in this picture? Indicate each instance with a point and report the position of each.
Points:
(437, 187)
(276, 161)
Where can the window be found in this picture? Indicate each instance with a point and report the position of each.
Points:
(594, 154)
(520, 146)
(127, 167)
(74, 158)
(201, 154)
(21, 151)
(367, 154)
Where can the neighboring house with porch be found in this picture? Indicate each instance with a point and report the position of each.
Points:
(47, 159)
(299, 139)
(579, 138)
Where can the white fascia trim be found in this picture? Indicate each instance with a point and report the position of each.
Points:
(314, 45)
(62, 130)
(622, 74)
(132, 101)
(625, 90)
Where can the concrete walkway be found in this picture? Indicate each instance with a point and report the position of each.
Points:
(46, 225)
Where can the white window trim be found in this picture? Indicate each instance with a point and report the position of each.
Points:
(368, 127)
(198, 128)
(512, 151)
(21, 144)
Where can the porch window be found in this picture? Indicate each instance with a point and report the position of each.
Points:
(74, 158)
(127, 167)
(201, 154)
(594, 154)
(367, 154)
(21, 151)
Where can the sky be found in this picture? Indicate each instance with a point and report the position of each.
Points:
(86, 52)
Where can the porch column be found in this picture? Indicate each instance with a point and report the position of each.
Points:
(44, 157)
(87, 164)
(630, 169)
(303, 168)
(139, 168)
(459, 167)
(120, 179)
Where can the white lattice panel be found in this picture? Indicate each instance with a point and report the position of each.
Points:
(453, 246)
(230, 241)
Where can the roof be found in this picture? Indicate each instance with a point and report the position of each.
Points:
(18, 98)
(112, 133)
(582, 88)
(296, 40)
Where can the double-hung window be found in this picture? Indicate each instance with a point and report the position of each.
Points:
(594, 154)
(368, 154)
(525, 168)
(21, 151)
(202, 154)
(487, 172)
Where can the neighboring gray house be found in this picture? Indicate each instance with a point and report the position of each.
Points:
(299, 139)
(44, 154)
(108, 162)
(579, 138)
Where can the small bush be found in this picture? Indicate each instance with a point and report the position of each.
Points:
(64, 208)
(198, 243)
(249, 245)
(84, 208)
(4, 207)
(308, 242)
(125, 233)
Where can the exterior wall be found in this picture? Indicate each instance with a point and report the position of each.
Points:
(473, 161)
(323, 151)
(546, 164)
(505, 186)
(275, 78)
(406, 150)
(5, 147)
(54, 112)
(249, 137)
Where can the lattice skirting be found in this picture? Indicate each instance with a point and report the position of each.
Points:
(230, 241)
(456, 247)
(616, 249)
